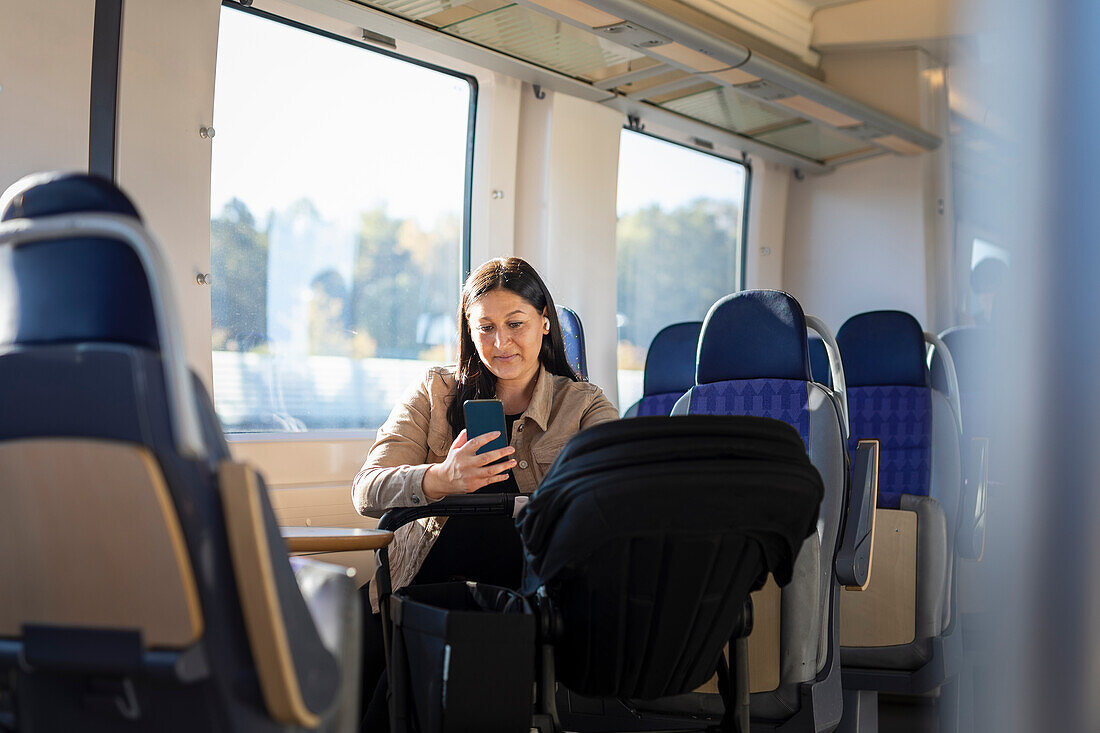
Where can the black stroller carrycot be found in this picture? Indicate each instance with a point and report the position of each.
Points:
(642, 545)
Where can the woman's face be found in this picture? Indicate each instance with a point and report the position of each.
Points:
(507, 332)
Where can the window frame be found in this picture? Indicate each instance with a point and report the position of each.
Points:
(356, 434)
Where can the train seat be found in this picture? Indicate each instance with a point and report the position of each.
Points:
(145, 583)
(971, 349)
(573, 333)
(895, 634)
(753, 360)
(669, 369)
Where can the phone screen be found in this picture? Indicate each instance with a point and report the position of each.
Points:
(485, 416)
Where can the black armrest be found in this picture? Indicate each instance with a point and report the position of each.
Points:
(970, 537)
(853, 561)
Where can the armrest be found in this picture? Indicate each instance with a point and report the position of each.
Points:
(853, 561)
(971, 533)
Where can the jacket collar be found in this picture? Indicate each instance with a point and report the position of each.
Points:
(543, 398)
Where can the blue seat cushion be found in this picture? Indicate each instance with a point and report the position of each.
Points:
(900, 417)
(780, 399)
(658, 404)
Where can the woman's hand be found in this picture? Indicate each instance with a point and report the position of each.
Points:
(463, 472)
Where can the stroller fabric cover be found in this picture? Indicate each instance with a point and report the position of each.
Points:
(649, 534)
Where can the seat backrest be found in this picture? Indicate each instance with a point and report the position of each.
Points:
(669, 369)
(573, 333)
(819, 362)
(114, 505)
(971, 350)
(891, 399)
(649, 582)
(754, 360)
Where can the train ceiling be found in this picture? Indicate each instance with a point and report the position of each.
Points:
(672, 56)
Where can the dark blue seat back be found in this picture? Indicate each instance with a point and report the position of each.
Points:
(573, 334)
(890, 398)
(971, 348)
(75, 290)
(669, 369)
(754, 359)
(819, 362)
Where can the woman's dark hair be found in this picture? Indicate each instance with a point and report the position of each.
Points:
(475, 381)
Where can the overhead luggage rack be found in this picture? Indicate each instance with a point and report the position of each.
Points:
(654, 66)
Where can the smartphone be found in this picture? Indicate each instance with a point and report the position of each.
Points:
(485, 416)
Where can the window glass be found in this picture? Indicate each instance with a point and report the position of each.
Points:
(679, 243)
(336, 237)
(988, 271)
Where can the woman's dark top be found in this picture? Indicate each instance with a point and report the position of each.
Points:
(485, 549)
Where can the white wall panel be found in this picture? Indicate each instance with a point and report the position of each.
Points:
(856, 238)
(166, 93)
(45, 75)
(567, 183)
(767, 225)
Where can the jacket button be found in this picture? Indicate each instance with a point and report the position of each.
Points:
(416, 499)
(523, 464)
(520, 427)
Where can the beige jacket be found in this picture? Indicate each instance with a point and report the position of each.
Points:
(417, 435)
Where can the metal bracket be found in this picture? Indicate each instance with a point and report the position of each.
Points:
(634, 123)
(539, 94)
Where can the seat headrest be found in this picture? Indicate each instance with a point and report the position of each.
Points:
(670, 361)
(572, 333)
(47, 194)
(74, 290)
(883, 348)
(971, 350)
(754, 334)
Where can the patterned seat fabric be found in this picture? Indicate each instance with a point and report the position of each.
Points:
(890, 399)
(780, 399)
(754, 359)
(669, 369)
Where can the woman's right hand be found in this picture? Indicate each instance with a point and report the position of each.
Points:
(463, 472)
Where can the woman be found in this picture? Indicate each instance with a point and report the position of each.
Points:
(511, 349)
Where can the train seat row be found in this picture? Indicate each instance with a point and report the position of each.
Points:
(924, 496)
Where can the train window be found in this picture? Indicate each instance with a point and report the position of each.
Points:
(679, 240)
(339, 225)
(988, 272)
